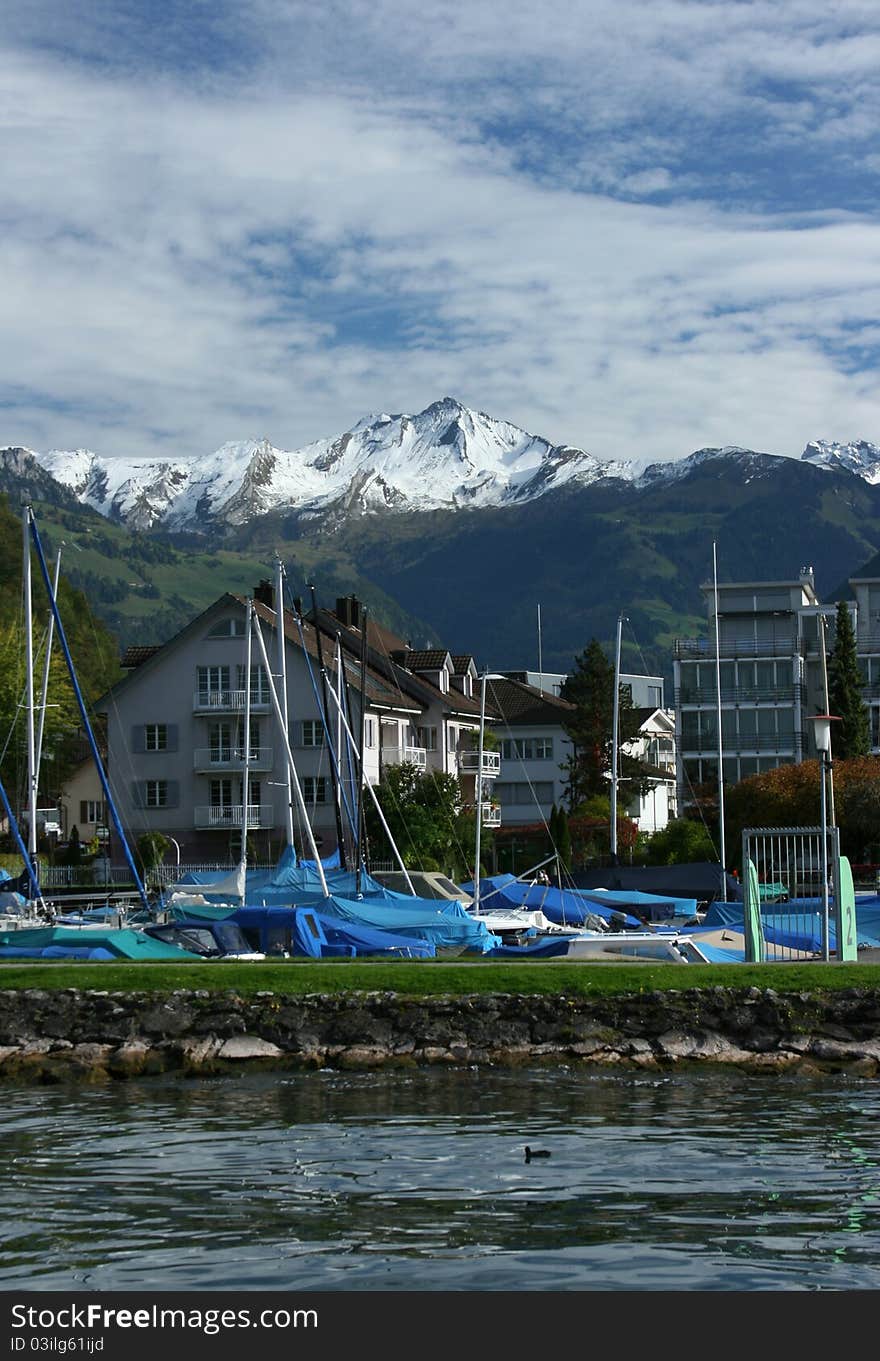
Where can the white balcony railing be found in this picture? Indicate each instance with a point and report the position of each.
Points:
(469, 763)
(231, 758)
(396, 756)
(214, 701)
(490, 813)
(229, 815)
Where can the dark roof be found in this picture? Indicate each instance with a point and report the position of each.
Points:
(378, 689)
(134, 656)
(518, 702)
(414, 684)
(428, 659)
(463, 664)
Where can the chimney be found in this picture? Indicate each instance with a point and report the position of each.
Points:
(264, 592)
(348, 611)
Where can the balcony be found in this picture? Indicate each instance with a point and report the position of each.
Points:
(469, 763)
(228, 701)
(490, 813)
(743, 744)
(397, 756)
(209, 760)
(742, 694)
(228, 816)
(700, 649)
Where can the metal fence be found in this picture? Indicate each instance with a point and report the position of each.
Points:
(101, 872)
(799, 901)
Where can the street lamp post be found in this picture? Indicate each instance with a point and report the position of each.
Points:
(822, 733)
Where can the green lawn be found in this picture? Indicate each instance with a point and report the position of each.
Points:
(433, 978)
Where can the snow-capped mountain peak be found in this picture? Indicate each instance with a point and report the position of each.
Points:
(859, 457)
(447, 456)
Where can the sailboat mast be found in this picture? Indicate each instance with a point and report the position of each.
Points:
(615, 740)
(361, 778)
(44, 690)
(29, 664)
(301, 805)
(478, 791)
(718, 719)
(326, 719)
(246, 757)
(282, 672)
(540, 656)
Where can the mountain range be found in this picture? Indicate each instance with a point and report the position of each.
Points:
(454, 527)
(446, 457)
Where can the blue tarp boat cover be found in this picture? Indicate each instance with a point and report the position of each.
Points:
(445, 923)
(652, 907)
(320, 935)
(70, 942)
(564, 907)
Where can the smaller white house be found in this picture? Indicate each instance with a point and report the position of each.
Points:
(655, 746)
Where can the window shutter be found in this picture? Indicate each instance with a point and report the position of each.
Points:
(171, 736)
(173, 794)
(138, 738)
(82, 811)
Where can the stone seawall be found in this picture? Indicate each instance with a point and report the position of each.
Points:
(50, 1036)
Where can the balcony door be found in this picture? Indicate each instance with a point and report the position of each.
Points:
(220, 738)
(221, 797)
(213, 683)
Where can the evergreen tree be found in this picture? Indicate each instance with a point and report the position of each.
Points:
(563, 840)
(590, 688)
(851, 737)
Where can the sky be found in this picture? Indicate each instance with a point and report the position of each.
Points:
(639, 227)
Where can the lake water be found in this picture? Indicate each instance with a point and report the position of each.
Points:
(418, 1181)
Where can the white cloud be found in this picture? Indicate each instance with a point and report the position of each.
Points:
(188, 262)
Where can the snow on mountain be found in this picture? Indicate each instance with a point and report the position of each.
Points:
(445, 457)
(751, 463)
(859, 457)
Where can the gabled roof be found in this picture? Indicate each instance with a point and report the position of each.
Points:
(414, 685)
(426, 659)
(517, 702)
(646, 714)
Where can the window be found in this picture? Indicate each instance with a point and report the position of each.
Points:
(220, 738)
(655, 696)
(157, 793)
(259, 684)
(228, 628)
(369, 732)
(221, 794)
(427, 738)
(254, 740)
(526, 748)
(312, 732)
(91, 810)
(213, 680)
(314, 789)
(155, 737)
(451, 738)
